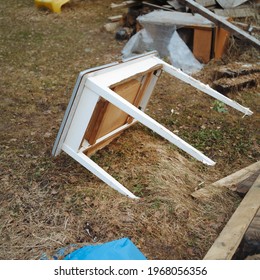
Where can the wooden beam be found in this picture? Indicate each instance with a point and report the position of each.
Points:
(228, 181)
(115, 18)
(157, 6)
(229, 239)
(222, 22)
(236, 13)
(124, 4)
(206, 3)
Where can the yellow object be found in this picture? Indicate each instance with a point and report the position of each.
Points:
(53, 5)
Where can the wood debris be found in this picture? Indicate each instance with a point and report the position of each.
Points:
(210, 9)
(236, 77)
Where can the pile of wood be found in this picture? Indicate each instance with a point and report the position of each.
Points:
(125, 25)
(236, 76)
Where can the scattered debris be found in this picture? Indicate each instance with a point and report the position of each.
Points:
(236, 77)
(230, 238)
(236, 13)
(206, 38)
(243, 187)
(222, 22)
(226, 85)
(230, 182)
(237, 69)
(160, 35)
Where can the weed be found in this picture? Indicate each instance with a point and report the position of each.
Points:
(138, 189)
(156, 203)
(219, 107)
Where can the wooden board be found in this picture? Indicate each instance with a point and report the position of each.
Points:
(243, 187)
(222, 23)
(202, 44)
(106, 116)
(206, 3)
(236, 13)
(221, 40)
(229, 239)
(229, 181)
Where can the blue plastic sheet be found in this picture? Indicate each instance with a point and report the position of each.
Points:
(122, 249)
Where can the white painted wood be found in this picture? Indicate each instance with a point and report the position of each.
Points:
(204, 88)
(81, 118)
(92, 85)
(86, 145)
(124, 71)
(97, 170)
(130, 109)
(149, 90)
(72, 106)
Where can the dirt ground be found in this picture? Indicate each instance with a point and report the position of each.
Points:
(47, 203)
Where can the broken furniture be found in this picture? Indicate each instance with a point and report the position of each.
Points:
(207, 40)
(109, 99)
(228, 26)
(53, 5)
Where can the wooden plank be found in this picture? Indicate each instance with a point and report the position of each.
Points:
(222, 23)
(140, 94)
(237, 69)
(228, 181)
(156, 6)
(202, 44)
(101, 144)
(115, 18)
(236, 13)
(114, 117)
(124, 4)
(250, 28)
(226, 85)
(206, 3)
(221, 41)
(229, 239)
(243, 187)
(97, 116)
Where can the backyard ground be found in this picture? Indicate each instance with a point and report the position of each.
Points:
(47, 203)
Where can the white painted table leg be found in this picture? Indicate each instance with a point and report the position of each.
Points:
(130, 109)
(98, 171)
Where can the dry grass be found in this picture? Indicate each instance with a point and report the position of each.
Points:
(46, 202)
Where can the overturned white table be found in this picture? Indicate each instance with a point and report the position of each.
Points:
(107, 100)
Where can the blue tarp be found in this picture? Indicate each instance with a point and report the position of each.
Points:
(122, 249)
